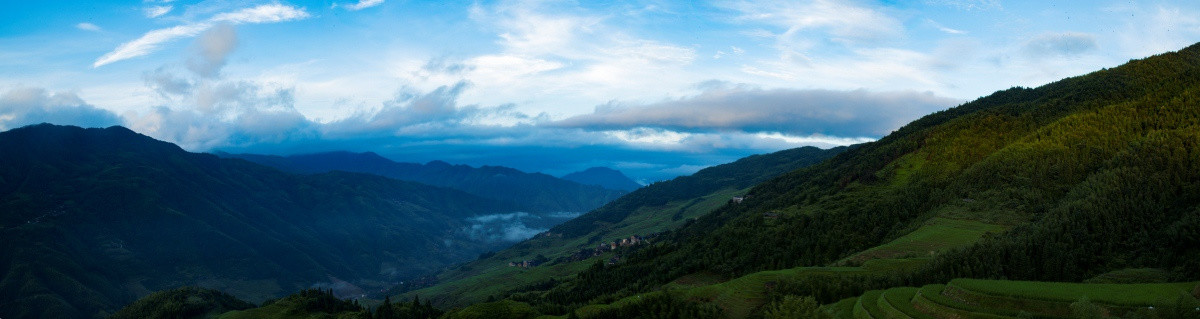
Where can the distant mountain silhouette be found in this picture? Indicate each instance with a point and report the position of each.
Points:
(603, 177)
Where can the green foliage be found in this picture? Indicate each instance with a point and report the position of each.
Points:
(660, 304)
(1085, 309)
(794, 307)
(181, 303)
(406, 310)
(1135, 276)
(1160, 294)
(504, 309)
(1007, 299)
(308, 303)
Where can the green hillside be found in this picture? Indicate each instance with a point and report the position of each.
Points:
(1063, 182)
(650, 210)
(93, 218)
(184, 302)
(973, 298)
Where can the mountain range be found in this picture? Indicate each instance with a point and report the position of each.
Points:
(1076, 199)
(535, 192)
(94, 218)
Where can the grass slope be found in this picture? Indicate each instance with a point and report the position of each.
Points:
(937, 234)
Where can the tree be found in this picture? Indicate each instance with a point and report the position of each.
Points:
(384, 311)
(795, 307)
(1085, 309)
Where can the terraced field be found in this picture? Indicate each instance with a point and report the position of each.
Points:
(937, 234)
(973, 298)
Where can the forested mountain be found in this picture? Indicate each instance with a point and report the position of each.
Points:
(93, 218)
(738, 175)
(532, 191)
(1065, 182)
(603, 177)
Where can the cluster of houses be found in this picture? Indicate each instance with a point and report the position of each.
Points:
(609, 246)
(524, 263)
(588, 252)
(529, 263)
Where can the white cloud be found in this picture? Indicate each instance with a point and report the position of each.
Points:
(26, 106)
(565, 58)
(152, 40)
(842, 21)
(87, 26)
(506, 68)
(509, 227)
(156, 11)
(362, 4)
(262, 14)
(642, 135)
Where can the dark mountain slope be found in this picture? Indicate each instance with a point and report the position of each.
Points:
(533, 191)
(1093, 173)
(92, 218)
(603, 177)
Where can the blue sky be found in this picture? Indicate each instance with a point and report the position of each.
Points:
(654, 88)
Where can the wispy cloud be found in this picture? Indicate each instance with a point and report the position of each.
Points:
(842, 20)
(87, 26)
(1157, 28)
(362, 4)
(1060, 44)
(943, 28)
(967, 4)
(211, 50)
(156, 11)
(151, 41)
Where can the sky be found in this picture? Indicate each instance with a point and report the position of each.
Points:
(655, 89)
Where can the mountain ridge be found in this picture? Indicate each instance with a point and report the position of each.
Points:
(533, 191)
(603, 177)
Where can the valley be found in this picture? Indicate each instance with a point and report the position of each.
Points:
(497, 159)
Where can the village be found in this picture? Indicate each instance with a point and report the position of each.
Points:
(586, 253)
